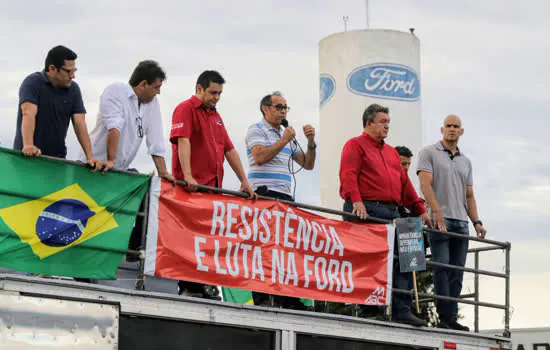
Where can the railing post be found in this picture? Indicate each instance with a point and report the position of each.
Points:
(507, 295)
(476, 293)
(140, 283)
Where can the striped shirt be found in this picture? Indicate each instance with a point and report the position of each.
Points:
(273, 174)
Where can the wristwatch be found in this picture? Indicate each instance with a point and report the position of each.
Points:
(477, 222)
(312, 148)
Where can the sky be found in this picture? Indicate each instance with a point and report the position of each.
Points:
(485, 61)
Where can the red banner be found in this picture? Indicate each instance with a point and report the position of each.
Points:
(266, 246)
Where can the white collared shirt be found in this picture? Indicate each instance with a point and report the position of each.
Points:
(118, 109)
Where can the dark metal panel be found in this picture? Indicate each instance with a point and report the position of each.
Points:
(138, 333)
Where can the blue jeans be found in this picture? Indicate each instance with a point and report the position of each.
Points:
(401, 303)
(452, 251)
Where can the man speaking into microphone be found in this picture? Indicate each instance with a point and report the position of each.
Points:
(270, 146)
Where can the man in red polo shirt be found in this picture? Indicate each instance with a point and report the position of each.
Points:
(200, 144)
(373, 183)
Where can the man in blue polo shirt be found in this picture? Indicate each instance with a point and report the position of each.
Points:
(48, 101)
(269, 147)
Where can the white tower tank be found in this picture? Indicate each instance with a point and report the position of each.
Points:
(358, 68)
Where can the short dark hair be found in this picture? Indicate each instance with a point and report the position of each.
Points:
(58, 55)
(267, 100)
(209, 76)
(404, 151)
(370, 113)
(147, 70)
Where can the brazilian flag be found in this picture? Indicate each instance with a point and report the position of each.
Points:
(242, 296)
(59, 218)
(239, 296)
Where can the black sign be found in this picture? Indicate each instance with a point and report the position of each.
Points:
(410, 242)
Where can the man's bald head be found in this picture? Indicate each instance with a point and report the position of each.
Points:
(452, 118)
(452, 129)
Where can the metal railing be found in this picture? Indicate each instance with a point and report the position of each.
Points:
(493, 245)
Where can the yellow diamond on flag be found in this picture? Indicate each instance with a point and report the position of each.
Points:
(58, 221)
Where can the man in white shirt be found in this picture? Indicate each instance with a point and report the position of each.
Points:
(128, 112)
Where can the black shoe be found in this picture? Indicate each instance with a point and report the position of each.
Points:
(186, 292)
(412, 320)
(131, 256)
(209, 294)
(458, 326)
(442, 324)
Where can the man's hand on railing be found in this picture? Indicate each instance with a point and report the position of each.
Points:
(31, 151)
(95, 164)
(426, 221)
(108, 165)
(480, 230)
(360, 210)
(245, 187)
(192, 184)
(439, 220)
(168, 177)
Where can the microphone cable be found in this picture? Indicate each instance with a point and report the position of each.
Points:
(294, 151)
(294, 146)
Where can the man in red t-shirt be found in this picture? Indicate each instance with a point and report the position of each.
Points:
(373, 183)
(200, 144)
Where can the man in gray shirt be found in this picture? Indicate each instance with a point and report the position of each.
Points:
(447, 183)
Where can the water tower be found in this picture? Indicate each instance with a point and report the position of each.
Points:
(358, 68)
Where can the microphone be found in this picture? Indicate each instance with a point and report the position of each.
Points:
(284, 123)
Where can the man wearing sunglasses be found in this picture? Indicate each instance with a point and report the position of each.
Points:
(128, 113)
(48, 101)
(271, 151)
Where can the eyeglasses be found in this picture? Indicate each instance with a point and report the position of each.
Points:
(139, 122)
(68, 71)
(280, 107)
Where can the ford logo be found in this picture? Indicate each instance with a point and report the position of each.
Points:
(327, 86)
(385, 80)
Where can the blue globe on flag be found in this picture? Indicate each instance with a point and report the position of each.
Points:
(62, 222)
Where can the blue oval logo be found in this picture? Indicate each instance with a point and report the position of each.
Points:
(327, 86)
(385, 80)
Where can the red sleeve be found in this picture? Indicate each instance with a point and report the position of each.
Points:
(350, 167)
(411, 200)
(227, 145)
(182, 122)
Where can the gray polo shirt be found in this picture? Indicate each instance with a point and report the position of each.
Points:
(451, 176)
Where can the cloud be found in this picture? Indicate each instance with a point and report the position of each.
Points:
(486, 63)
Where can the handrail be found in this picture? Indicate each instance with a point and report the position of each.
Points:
(497, 245)
(466, 269)
(440, 297)
(203, 188)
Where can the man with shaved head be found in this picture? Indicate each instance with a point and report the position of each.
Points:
(447, 183)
